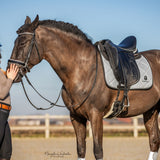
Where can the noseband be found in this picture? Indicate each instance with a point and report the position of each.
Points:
(24, 65)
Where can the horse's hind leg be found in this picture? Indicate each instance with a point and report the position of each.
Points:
(79, 125)
(151, 124)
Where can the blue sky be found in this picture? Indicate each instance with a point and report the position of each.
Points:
(99, 19)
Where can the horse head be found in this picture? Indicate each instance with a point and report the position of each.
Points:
(25, 53)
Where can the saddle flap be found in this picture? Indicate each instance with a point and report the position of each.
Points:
(111, 54)
(130, 72)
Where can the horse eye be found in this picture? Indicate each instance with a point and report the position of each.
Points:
(22, 43)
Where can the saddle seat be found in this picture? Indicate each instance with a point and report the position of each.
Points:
(128, 44)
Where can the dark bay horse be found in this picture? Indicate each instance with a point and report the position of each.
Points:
(74, 58)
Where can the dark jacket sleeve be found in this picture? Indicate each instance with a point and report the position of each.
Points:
(5, 85)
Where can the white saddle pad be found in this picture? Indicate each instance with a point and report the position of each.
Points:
(145, 81)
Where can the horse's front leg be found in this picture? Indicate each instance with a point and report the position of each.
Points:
(79, 125)
(97, 130)
(151, 124)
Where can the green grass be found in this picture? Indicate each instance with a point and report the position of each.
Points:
(62, 133)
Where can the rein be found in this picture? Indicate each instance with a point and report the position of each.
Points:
(51, 103)
(24, 65)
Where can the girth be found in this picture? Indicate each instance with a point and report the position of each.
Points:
(122, 61)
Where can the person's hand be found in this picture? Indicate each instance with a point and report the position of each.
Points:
(12, 71)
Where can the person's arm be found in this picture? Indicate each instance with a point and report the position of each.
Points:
(6, 83)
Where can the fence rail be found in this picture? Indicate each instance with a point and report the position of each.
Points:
(135, 127)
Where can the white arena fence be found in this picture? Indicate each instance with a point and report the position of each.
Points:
(33, 123)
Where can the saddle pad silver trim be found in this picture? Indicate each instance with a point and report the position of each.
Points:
(145, 81)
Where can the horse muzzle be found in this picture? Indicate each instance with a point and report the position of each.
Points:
(23, 69)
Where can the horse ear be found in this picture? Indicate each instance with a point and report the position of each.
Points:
(28, 20)
(35, 23)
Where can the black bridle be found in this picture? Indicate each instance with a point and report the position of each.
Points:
(24, 65)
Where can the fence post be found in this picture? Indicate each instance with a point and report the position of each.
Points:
(47, 123)
(135, 125)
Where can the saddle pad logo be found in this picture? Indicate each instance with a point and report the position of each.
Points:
(145, 79)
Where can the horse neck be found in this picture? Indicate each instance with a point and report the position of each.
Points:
(72, 59)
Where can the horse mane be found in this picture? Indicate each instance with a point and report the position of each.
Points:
(66, 27)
